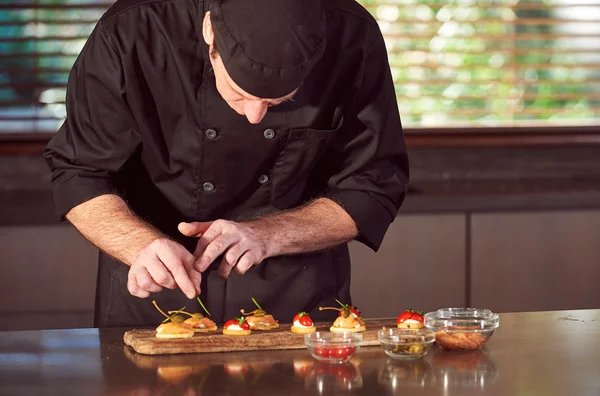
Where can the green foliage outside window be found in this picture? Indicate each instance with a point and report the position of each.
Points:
(491, 62)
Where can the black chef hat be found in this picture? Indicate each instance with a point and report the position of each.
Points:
(268, 47)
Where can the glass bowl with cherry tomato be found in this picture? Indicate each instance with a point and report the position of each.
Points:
(333, 347)
(405, 343)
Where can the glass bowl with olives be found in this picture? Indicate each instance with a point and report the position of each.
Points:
(405, 343)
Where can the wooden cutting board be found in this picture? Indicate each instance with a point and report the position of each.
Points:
(145, 341)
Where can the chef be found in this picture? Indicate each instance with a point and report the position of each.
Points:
(229, 149)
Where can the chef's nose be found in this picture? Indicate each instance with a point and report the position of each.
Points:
(255, 110)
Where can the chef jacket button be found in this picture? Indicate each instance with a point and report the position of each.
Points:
(262, 179)
(269, 133)
(211, 133)
(208, 186)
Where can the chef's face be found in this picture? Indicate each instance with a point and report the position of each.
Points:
(243, 103)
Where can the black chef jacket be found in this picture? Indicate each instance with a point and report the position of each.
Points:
(145, 121)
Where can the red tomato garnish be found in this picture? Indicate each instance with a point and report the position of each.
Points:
(410, 314)
(353, 310)
(303, 318)
(245, 325)
(238, 322)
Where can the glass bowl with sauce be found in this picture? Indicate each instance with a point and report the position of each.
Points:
(465, 329)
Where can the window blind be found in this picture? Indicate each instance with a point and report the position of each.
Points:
(39, 42)
(455, 63)
(493, 62)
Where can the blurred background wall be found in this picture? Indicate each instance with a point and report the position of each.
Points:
(500, 101)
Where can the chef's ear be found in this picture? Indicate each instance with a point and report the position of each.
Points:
(207, 30)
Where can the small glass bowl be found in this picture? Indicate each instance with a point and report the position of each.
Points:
(333, 347)
(462, 328)
(405, 343)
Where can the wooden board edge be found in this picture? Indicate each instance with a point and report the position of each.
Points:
(147, 348)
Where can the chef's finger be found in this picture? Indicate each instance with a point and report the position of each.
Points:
(245, 263)
(194, 275)
(196, 278)
(134, 288)
(145, 281)
(174, 257)
(194, 229)
(160, 274)
(214, 250)
(230, 259)
(213, 232)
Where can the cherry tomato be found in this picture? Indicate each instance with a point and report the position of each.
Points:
(303, 318)
(230, 322)
(322, 351)
(336, 352)
(342, 352)
(410, 314)
(237, 322)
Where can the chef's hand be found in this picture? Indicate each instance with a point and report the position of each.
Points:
(243, 245)
(163, 263)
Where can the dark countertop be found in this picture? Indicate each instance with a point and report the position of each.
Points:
(543, 353)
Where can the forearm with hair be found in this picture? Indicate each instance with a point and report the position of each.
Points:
(108, 223)
(319, 225)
